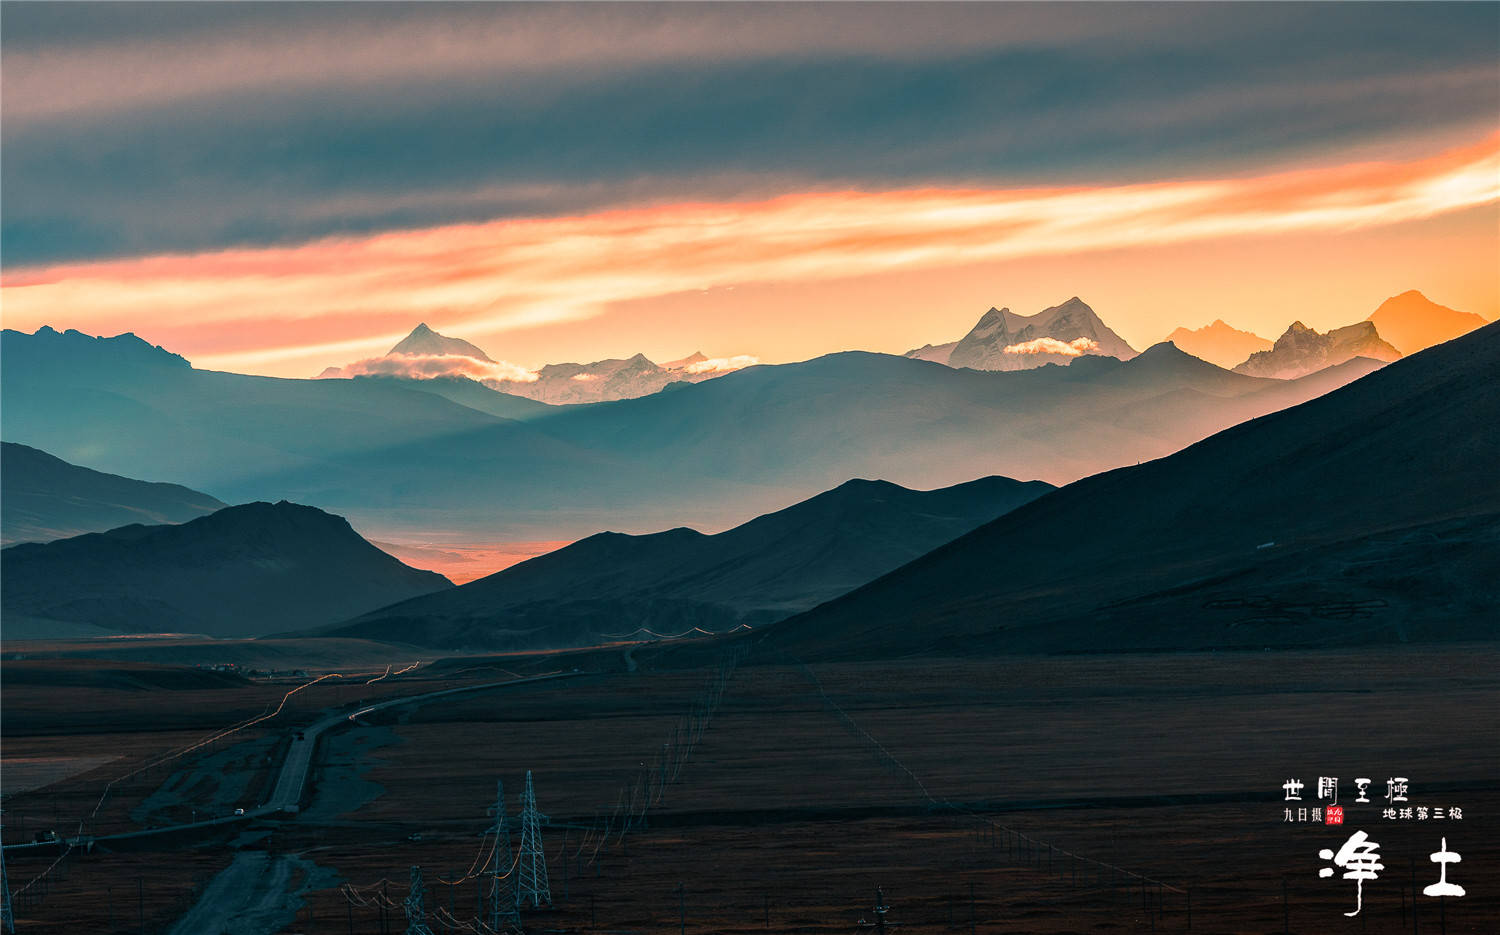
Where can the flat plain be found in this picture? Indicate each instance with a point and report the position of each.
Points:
(1010, 794)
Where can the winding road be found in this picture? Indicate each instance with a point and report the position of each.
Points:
(291, 782)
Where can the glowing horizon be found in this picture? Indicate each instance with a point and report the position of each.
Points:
(294, 310)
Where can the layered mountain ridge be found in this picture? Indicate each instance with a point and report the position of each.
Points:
(610, 584)
(44, 498)
(1369, 514)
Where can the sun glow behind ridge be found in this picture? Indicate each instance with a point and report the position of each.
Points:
(289, 310)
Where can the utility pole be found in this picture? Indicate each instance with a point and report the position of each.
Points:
(504, 898)
(681, 910)
(416, 912)
(532, 866)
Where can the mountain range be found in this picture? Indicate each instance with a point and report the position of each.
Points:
(241, 571)
(1301, 350)
(425, 354)
(1371, 514)
(424, 455)
(1003, 340)
(44, 498)
(609, 585)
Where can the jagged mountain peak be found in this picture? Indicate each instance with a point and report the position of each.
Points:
(423, 341)
(1003, 340)
(1301, 350)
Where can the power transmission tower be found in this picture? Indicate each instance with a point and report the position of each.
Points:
(532, 868)
(503, 897)
(416, 913)
(7, 918)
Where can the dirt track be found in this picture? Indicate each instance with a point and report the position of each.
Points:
(255, 894)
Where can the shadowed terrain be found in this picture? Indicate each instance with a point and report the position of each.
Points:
(1369, 515)
(45, 498)
(242, 571)
(610, 584)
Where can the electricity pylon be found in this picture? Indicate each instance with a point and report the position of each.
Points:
(7, 918)
(416, 912)
(532, 868)
(503, 898)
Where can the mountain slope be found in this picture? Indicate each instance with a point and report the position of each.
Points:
(1410, 322)
(470, 393)
(1218, 343)
(1301, 351)
(45, 498)
(610, 584)
(1369, 514)
(242, 571)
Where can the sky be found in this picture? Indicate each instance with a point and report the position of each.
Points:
(278, 188)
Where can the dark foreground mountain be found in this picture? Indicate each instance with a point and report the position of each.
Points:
(394, 457)
(1369, 515)
(243, 571)
(609, 585)
(44, 498)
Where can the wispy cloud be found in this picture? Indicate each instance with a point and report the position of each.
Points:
(141, 129)
(62, 62)
(1075, 348)
(428, 366)
(483, 280)
(722, 364)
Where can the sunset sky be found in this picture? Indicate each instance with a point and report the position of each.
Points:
(277, 188)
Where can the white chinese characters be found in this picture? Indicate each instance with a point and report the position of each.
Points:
(1442, 887)
(1360, 859)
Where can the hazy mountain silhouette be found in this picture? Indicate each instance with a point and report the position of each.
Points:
(712, 454)
(123, 407)
(1410, 322)
(1371, 514)
(611, 584)
(1003, 340)
(1301, 350)
(1218, 343)
(243, 571)
(427, 355)
(44, 498)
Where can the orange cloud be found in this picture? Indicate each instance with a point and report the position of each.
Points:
(722, 364)
(1075, 348)
(335, 296)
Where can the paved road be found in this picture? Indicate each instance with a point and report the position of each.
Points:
(294, 769)
(292, 781)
